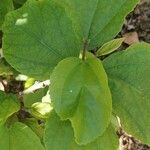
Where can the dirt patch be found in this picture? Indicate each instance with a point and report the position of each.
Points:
(128, 142)
(139, 21)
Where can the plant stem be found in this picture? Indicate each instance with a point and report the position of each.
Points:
(85, 47)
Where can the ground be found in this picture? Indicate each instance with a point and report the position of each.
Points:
(139, 21)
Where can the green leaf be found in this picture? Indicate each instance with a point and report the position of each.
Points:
(100, 20)
(19, 137)
(79, 92)
(41, 110)
(5, 68)
(43, 34)
(5, 6)
(32, 98)
(37, 128)
(129, 73)
(9, 104)
(29, 82)
(59, 136)
(110, 46)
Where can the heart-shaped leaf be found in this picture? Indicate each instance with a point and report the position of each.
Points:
(79, 92)
(45, 32)
(100, 20)
(129, 73)
(59, 136)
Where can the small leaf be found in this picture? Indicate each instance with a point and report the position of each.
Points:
(79, 92)
(59, 136)
(19, 137)
(100, 20)
(32, 98)
(109, 47)
(9, 104)
(41, 110)
(129, 73)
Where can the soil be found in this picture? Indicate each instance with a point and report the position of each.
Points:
(139, 21)
(128, 142)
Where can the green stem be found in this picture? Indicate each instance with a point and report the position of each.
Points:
(84, 49)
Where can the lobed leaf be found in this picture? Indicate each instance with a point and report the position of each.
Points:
(79, 92)
(128, 72)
